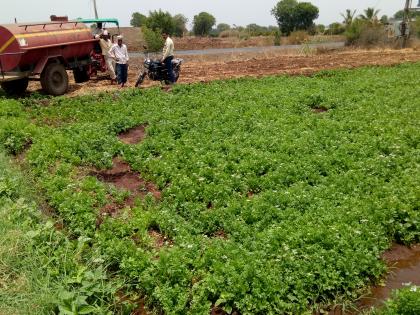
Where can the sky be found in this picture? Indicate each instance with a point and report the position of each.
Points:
(238, 12)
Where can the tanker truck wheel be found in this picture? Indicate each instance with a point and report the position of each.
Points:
(16, 87)
(81, 75)
(54, 79)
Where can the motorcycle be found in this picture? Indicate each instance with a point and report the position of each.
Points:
(156, 71)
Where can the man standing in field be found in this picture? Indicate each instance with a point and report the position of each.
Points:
(106, 45)
(168, 56)
(119, 53)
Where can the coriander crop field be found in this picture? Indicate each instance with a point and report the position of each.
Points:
(256, 196)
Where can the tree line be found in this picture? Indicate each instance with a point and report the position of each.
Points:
(176, 25)
(290, 15)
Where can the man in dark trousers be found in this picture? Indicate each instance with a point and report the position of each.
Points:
(168, 56)
(120, 54)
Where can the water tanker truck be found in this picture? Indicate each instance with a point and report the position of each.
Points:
(44, 51)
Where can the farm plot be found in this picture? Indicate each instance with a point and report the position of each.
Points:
(237, 65)
(258, 196)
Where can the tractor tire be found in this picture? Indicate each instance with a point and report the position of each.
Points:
(81, 75)
(16, 87)
(54, 79)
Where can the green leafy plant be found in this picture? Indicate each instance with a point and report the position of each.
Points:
(405, 301)
(267, 206)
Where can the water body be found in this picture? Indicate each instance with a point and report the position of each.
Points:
(404, 269)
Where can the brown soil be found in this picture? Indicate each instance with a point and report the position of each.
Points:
(122, 177)
(404, 265)
(140, 310)
(160, 240)
(215, 310)
(227, 66)
(319, 110)
(293, 64)
(139, 302)
(220, 234)
(134, 135)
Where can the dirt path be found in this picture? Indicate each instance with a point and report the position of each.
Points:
(204, 69)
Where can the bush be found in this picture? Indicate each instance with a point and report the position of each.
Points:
(258, 30)
(235, 34)
(320, 29)
(335, 29)
(229, 33)
(153, 39)
(221, 27)
(297, 37)
(372, 36)
(277, 38)
(364, 34)
(416, 28)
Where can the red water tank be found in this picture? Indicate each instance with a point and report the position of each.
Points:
(22, 46)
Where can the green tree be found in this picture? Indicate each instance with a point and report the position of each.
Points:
(138, 19)
(159, 21)
(336, 29)
(221, 27)
(320, 28)
(416, 27)
(370, 15)
(153, 39)
(180, 25)
(348, 17)
(203, 24)
(384, 19)
(400, 14)
(258, 30)
(306, 13)
(292, 15)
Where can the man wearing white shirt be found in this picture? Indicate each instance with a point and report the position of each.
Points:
(106, 44)
(168, 56)
(120, 54)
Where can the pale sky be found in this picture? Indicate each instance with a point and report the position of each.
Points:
(239, 12)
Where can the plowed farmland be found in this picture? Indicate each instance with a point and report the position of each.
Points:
(227, 66)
